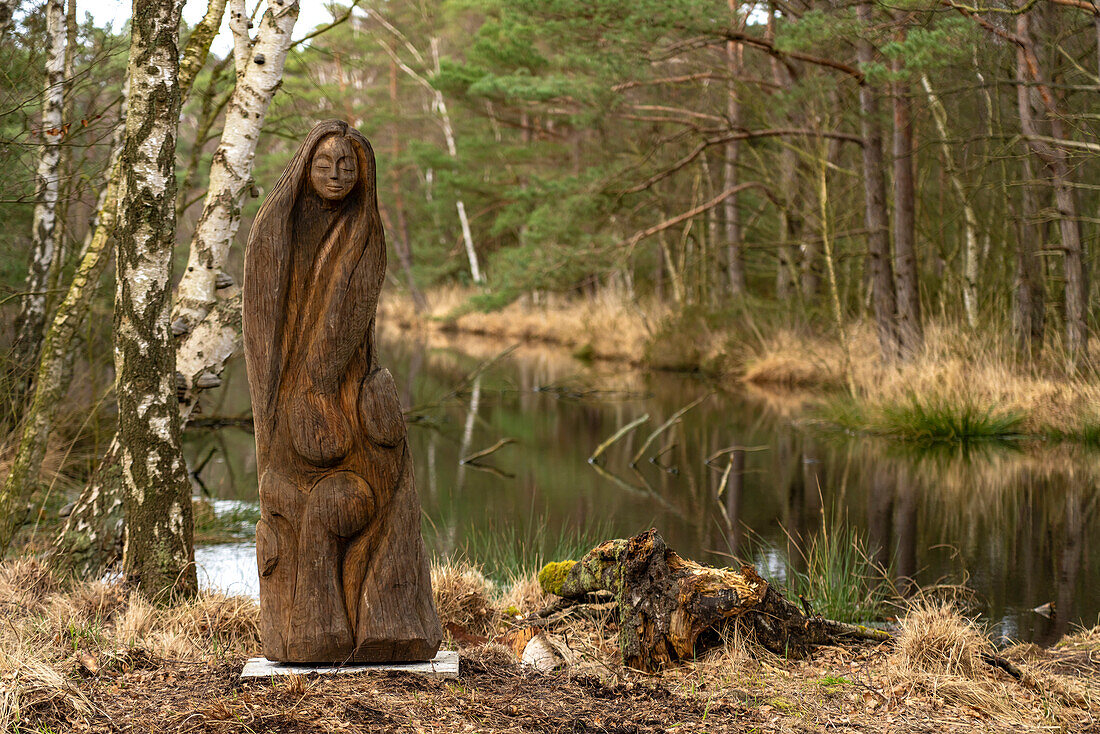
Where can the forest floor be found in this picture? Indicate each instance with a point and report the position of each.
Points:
(91, 659)
(963, 383)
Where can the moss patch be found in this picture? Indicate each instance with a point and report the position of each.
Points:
(552, 576)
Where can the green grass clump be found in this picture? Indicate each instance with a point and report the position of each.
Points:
(926, 420)
(936, 420)
(840, 579)
(511, 552)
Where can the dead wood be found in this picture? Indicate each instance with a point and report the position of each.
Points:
(671, 609)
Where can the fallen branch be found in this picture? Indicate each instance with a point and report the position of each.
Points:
(616, 436)
(486, 452)
(664, 427)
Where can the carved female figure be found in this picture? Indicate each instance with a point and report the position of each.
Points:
(343, 571)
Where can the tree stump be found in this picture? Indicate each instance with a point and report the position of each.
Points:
(343, 572)
(670, 608)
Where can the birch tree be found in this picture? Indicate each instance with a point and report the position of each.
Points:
(158, 554)
(91, 534)
(210, 328)
(44, 230)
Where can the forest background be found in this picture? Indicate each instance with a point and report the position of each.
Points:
(891, 205)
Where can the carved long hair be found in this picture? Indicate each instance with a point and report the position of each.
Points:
(268, 255)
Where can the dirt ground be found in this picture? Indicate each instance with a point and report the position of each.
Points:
(838, 690)
(93, 658)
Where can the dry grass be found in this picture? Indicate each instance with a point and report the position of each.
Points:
(54, 636)
(73, 660)
(464, 598)
(956, 368)
(608, 326)
(975, 372)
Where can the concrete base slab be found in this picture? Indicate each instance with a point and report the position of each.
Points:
(444, 665)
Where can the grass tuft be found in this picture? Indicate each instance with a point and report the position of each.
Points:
(840, 580)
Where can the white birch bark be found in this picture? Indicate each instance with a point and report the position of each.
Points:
(56, 363)
(158, 555)
(210, 333)
(32, 315)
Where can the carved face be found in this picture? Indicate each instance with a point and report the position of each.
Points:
(334, 170)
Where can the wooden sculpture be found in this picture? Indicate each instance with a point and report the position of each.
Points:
(343, 572)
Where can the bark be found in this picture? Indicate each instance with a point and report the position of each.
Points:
(910, 328)
(7, 10)
(1030, 289)
(31, 321)
(874, 192)
(65, 164)
(259, 74)
(970, 219)
(1030, 75)
(56, 363)
(91, 539)
(735, 263)
(156, 491)
(198, 45)
(671, 609)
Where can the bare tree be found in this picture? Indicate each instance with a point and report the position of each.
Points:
(32, 314)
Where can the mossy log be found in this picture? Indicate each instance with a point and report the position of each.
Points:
(671, 608)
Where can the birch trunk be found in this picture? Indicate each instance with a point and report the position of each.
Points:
(56, 364)
(452, 150)
(31, 321)
(910, 328)
(92, 535)
(211, 334)
(439, 105)
(970, 219)
(158, 555)
(874, 192)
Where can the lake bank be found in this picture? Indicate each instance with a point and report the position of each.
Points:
(92, 658)
(962, 387)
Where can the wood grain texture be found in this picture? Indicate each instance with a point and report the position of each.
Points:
(343, 572)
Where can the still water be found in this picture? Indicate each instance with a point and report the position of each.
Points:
(736, 476)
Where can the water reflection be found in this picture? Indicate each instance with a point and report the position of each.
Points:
(731, 477)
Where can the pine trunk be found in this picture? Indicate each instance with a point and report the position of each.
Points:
(910, 328)
(158, 555)
(31, 322)
(874, 193)
(1030, 289)
(1030, 76)
(735, 264)
(211, 334)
